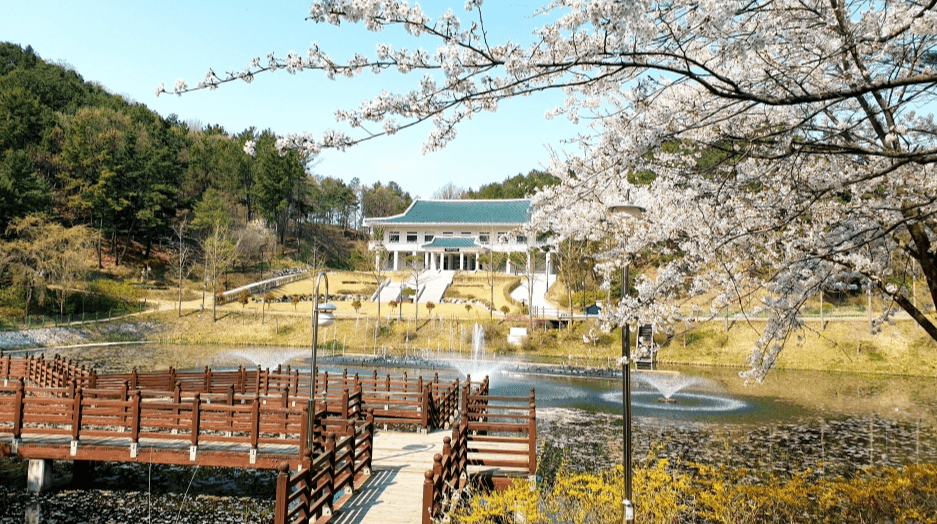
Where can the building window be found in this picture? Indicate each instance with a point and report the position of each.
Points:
(447, 233)
(482, 239)
(521, 239)
(428, 237)
(466, 233)
(502, 237)
(393, 237)
(411, 237)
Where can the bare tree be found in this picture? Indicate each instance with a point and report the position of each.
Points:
(183, 256)
(377, 269)
(527, 260)
(449, 191)
(492, 261)
(257, 242)
(219, 247)
(415, 263)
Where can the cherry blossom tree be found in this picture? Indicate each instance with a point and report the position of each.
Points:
(785, 145)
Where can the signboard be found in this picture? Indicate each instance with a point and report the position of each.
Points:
(452, 250)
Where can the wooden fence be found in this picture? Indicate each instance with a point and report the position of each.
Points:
(342, 466)
(493, 437)
(496, 436)
(402, 401)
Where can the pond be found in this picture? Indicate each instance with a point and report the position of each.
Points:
(795, 421)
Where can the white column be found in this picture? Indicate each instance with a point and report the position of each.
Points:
(396, 260)
(549, 264)
(426, 263)
(507, 268)
(529, 269)
(377, 262)
(39, 475)
(462, 261)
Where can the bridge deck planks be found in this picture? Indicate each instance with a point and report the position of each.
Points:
(394, 493)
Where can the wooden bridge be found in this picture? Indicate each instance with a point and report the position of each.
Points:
(51, 409)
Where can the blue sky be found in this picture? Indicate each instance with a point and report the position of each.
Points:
(130, 47)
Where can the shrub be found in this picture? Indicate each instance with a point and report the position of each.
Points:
(904, 495)
(122, 291)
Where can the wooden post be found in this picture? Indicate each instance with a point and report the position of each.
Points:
(344, 406)
(18, 408)
(306, 488)
(229, 400)
(76, 414)
(428, 496)
(177, 400)
(283, 480)
(370, 437)
(196, 407)
(135, 417)
(424, 416)
(255, 422)
(124, 395)
(330, 449)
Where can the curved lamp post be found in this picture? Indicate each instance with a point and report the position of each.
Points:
(321, 316)
(628, 513)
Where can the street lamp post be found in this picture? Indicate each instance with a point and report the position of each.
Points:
(627, 501)
(626, 401)
(321, 316)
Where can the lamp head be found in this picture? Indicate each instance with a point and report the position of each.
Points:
(627, 208)
(325, 316)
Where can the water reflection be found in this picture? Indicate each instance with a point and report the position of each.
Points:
(713, 394)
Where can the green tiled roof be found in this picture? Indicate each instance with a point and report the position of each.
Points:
(461, 212)
(450, 242)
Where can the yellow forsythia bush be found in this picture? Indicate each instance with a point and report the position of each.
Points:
(580, 498)
(902, 496)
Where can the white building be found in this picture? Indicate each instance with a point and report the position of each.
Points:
(450, 235)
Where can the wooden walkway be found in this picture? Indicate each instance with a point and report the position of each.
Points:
(53, 410)
(394, 493)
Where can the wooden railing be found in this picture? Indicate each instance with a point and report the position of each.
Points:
(341, 466)
(426, 404)
(447, 477)
(55, 372)
(84, 414)
(261, 381)
(493, 432)
(400, 401)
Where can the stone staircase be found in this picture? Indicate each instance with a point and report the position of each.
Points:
(433, 284)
